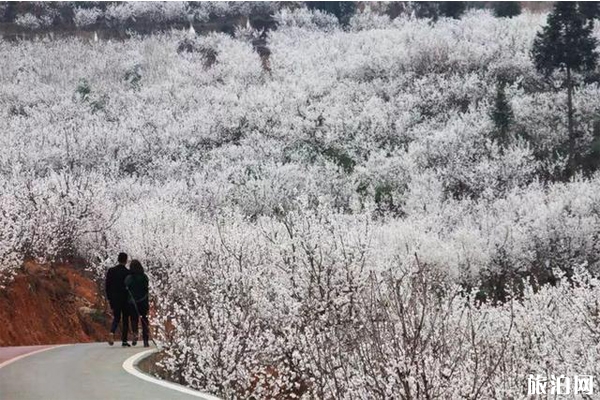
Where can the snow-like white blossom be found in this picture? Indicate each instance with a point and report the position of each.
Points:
(330, 218)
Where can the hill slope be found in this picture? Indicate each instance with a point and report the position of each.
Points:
(51, 305)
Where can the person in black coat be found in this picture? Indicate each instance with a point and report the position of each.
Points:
(137, 288)
(116, 293)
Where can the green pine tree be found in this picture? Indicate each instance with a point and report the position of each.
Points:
(507, 9)
(426, 9)
(436, 9)
(452, 9)
(566, 44)
(590, 10)
(502, 115)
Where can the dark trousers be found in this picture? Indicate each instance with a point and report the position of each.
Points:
(137, 311)
(120, 310)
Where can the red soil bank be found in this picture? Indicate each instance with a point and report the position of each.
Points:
(50, 305)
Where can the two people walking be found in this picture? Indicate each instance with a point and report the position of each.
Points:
(127, 294)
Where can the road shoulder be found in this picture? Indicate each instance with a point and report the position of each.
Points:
(131, 366)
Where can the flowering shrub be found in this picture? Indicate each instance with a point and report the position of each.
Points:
(155, 12)
(29, 21)
(304, 18)
(83, 17)
(335, 307)
(36, 15)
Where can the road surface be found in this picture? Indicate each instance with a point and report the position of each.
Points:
(84, 372)
(11, 353)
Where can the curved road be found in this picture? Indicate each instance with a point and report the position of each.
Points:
(84, 372)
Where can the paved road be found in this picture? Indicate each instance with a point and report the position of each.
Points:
(9, 353)
(80, 372)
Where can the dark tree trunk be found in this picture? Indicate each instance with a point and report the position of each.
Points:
(571, 144)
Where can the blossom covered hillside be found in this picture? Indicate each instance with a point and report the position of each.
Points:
(329, 214)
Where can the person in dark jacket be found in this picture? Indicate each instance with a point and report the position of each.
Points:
(137, 287)
(116, 293)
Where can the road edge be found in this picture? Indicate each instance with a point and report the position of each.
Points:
(130, 365)
(22, 356)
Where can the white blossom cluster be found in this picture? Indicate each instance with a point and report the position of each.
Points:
(334, 223)
(120, 14)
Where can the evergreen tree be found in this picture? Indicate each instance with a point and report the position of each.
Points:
(566, 44)
(590, 10)
(436, 9)
(426, 9)
(506, 8)
(452, 9)
(502, 115)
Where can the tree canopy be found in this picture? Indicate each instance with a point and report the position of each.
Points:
(565, 42)
(506, 8)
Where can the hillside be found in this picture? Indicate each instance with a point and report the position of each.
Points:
(325, 206)
(55, 304)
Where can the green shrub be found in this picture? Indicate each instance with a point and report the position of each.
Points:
(83, 89)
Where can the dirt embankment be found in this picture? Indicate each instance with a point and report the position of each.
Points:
(50, 305)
